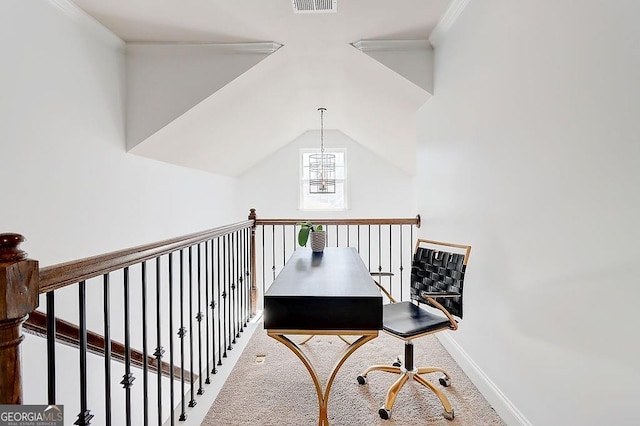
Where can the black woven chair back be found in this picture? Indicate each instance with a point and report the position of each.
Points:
(436, 271)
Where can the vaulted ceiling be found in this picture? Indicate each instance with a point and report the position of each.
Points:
(220, 85)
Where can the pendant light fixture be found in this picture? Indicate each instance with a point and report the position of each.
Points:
(322, 167)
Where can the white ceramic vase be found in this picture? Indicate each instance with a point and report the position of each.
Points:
(318, 240)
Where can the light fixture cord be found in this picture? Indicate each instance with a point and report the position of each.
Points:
(322, 131)
(322, 159)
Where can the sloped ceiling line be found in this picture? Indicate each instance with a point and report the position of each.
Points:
(412, 59)
(224, 111)
(166, 80)
(447, 20)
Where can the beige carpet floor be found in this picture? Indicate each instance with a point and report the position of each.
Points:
(279, 391)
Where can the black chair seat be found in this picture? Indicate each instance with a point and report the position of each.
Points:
(405, 319)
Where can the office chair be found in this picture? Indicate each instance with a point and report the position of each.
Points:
(437, 278)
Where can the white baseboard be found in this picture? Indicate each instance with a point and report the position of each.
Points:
(195, 415)
(503, 406)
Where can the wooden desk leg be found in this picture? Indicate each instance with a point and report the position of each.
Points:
(323, 397)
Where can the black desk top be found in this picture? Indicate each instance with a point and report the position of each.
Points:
(324, 291)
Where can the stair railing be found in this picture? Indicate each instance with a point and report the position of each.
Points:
(191, 293)
(194, 294)
(384, 244)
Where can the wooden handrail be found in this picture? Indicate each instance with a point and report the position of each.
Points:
(69, 334)
(21, 280)
(385, 221)
(64, 274)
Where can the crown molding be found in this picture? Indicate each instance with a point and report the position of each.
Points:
(391, 45)
(266, 47)
(446, 21)
(69, 8)
(79, 16)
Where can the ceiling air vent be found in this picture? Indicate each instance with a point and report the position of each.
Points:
(315, 6)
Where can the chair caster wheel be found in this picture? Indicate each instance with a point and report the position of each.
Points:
(362, 380)
(384, 413)
(445, 381)
(397, 362)
(448, 415)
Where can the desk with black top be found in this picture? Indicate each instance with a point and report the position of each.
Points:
(323, 293)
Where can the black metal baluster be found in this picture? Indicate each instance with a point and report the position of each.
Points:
(284, 245)
(337, 236)
(401, 262)
(181, 333)
(273, 252)
(206, 307)
(228, 290)
(238, 285)
(220, 331)
(244, 279)
(213, 307)
(145, 366)
(233, 286)
(199, 318)
(159, 349)
(380, 249)
(236, 289)
(192, 401)
(295, 239)
(85, 416)
(51, 348)
(107, 349)
(241, 292)
(264, 273)
(127, 379)
(249, 273)
(358, 241)
(390, 260)
(241, 280)
(171, 390)
(412, 243)
(369, 254)
(224, 295)
(348, 235)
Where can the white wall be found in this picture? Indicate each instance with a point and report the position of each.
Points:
(376, 187)
(70, 188)
(68, 184)
(412, 59)
(529, 151)
(166, 80)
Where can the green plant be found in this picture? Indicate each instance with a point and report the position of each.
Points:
(305, 229)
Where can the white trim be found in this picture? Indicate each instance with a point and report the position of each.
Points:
(499, 401)
(78, 15)
(69, 8)
(264, 47)
(395, 45)
(446, 21)
(195, 415)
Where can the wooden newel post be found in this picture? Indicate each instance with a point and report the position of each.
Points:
(18, 298)
(254, 288)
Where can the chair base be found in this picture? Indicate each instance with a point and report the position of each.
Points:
(405, 375)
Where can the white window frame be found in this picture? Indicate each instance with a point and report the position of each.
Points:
(304, 183)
